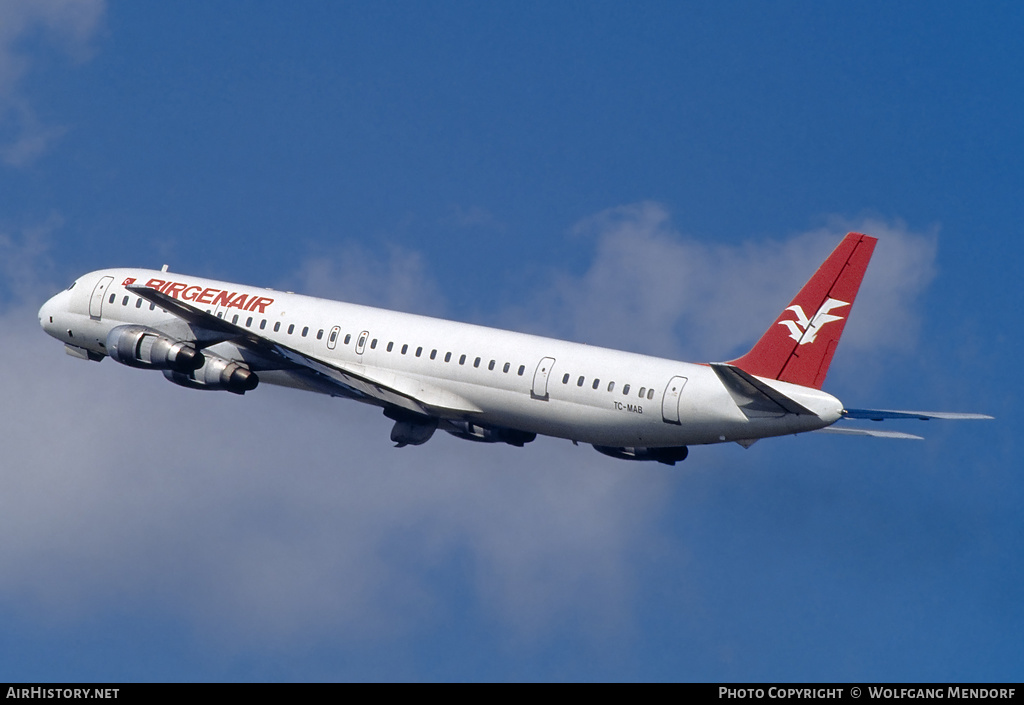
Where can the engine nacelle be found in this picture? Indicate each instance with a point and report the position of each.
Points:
(666, 456)
(139, 346)
(216, 373)
(489, 434)
(410, 429)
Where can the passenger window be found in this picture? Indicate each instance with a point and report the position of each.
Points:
(138, 303)
(373, 344)
(522, 369)
(476, 362)
(263, 324)
(650, 393)
(348, 338)
(234, 321)
(625, 390)
(405, 348)
(112, 297)
(505, 369)
(320, 334)
(490, 365)
(642, 390)
(333, 337)
(277, 326)
(305, 331)
(597, 383)
(391, 346)
(579, 382)
(611, 386)
(433, 354)
(447, 357)
(248, 322)
(125, 301)
(565, 378)
(152, 307)
(462, 360)
(291, 328)
(419, 351)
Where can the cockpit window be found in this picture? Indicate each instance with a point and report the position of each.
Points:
(72, 285)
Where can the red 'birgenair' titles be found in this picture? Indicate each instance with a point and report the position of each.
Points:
(212, 297)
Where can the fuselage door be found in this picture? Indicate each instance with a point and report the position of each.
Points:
(332, 339)
(540, 379)
(361, 344)
(221, 310)
(670, 402)
(96, 303)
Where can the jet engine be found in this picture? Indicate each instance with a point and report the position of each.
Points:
(489, 434)
(410, 429)
(666, 456)
(216, 373)
(139, 346)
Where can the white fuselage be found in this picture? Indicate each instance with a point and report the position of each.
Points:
(498, 378)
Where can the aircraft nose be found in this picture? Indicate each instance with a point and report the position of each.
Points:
(47, 314)
(44, 313)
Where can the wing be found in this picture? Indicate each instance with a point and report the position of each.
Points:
(352, 380)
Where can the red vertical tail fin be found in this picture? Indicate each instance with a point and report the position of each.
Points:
(800, 344)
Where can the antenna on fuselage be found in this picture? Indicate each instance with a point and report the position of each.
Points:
(164, 268)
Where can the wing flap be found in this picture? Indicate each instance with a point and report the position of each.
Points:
(408, 393)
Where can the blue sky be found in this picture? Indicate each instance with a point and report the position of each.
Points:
(657, 177)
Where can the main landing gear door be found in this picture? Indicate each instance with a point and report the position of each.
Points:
(96, 302)
(670, 401)
(540, 379)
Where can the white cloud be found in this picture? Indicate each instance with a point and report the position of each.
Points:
(283, 516)
(652, 289)
(351, 272)
(68, 24)
(26, 270)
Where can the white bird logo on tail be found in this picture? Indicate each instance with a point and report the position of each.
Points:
(804, 331)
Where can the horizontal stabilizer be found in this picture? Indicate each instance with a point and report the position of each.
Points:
(751, 394)
(869, 432)
(882, 414)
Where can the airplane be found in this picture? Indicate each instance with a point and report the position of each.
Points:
(477, 383)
